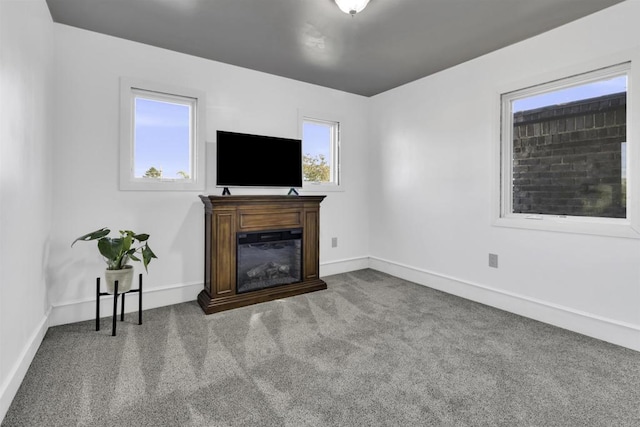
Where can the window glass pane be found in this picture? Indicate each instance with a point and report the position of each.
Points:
(569, 150)
(317, 159)
(162, 139)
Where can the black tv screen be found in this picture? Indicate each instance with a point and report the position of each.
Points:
(258, 161)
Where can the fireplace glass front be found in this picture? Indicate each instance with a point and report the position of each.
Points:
(267, 259)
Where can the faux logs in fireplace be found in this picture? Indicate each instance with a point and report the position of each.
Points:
(268, 258)
(259, 248)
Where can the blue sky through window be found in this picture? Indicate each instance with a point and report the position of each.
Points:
(162, 138)
(570, 94)
(316, 139)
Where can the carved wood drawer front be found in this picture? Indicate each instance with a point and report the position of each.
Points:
(262, 219)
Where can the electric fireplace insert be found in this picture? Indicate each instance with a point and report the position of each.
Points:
(268, 258)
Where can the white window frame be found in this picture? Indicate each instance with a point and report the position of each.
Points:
(129, 88)
(336, 170)
(503, 215)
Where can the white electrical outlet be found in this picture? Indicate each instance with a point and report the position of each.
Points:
(334, 242)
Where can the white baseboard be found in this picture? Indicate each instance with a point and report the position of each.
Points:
(343, 266)
(78, 311)
(10, 386)
(613, 331)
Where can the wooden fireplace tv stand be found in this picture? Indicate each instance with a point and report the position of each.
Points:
(227, 217)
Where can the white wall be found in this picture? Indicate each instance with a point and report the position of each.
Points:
(26, 67)
(88, 68)
(432, 185)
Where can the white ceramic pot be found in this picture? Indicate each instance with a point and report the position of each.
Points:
(124, 278)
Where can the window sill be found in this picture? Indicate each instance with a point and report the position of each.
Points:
(593, 226)
(160, 185)
(308, 187)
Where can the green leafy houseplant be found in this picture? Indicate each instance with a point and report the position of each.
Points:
(117, 251)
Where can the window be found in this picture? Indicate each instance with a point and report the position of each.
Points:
(320, 152)
(564, 150)
(161, 137)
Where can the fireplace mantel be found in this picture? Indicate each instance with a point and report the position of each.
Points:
(226, 216)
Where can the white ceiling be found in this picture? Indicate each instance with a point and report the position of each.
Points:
(390, 43)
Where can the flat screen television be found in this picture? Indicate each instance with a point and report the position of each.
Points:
(258, 161)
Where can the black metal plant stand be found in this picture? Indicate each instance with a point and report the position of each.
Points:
(115, 303)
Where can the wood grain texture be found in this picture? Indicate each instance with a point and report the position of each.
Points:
(311, 267)
(225, 256)
(263, 219)
(225, 216)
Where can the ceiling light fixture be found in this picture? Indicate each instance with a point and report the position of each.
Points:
(352, 6)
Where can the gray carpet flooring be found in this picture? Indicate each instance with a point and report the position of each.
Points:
(371, 350)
